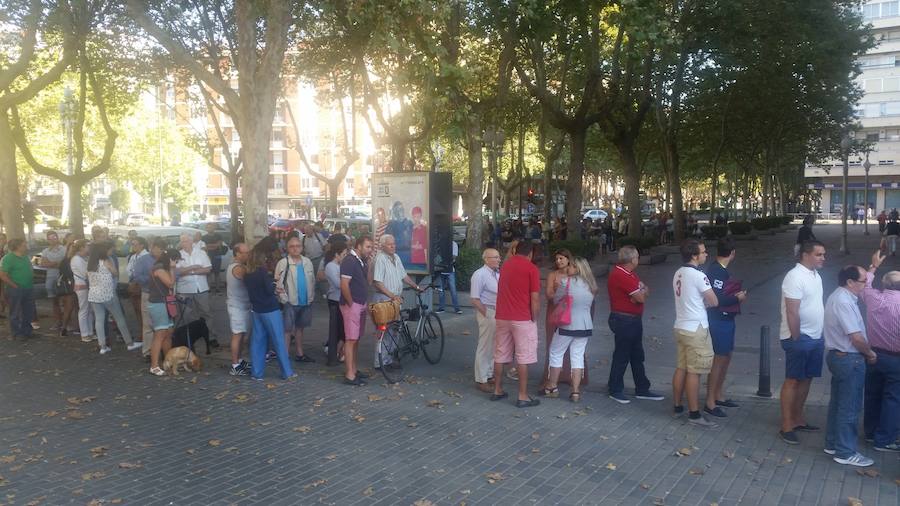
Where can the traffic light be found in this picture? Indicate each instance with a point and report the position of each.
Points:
(530, 194)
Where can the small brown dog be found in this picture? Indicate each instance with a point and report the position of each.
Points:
(181, 356)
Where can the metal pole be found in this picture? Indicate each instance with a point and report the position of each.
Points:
(765, 381)
(845, 152)
(866, 166)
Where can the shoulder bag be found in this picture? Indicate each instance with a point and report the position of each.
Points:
(562, 310)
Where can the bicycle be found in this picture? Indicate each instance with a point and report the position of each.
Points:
(397, 344)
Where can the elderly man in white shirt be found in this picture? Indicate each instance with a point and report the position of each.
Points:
(192, 285)
(389, 275)
(483, 294)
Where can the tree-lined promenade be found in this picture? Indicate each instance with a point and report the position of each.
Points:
(717, 103)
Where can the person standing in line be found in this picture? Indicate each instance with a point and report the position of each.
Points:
(882, 221)
(268, 322)
(139, 250)
(562, 268)
(66, 291)
(102, 274)
(881, 419)
(237, 302)
(215, 248)
(79, 270)
(848, 353)
(693, 294)
(141, 271)
(860, 214)
(51, 257)
(354, 295)
(314, 249)
(802, 320)
(805, 233)
(18, 280)
(721, 327)
(330, 272)
(573, 337)
(191, 283)
(448, 280)
(518, 307)
(483, 295)
(161, 283)
(388, 278)
(627, 296)
(295, 286)
(891, 232)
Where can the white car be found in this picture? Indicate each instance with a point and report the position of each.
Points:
(594, 214)
(135, 220)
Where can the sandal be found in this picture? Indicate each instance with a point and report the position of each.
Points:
(156, 371)
(549, 392)
(575, 397)
(527, 404)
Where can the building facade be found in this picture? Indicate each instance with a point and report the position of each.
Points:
(878, 112)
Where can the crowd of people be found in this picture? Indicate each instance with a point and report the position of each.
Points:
(270, 289)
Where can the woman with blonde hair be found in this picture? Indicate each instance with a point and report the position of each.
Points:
(562, 268)
(579, 284)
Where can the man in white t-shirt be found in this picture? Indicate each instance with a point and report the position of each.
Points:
(191, 284)
(802, 320)
(693, 294)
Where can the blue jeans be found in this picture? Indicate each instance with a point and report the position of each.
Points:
(848, 376)
(268, 332)
(629, 333)
(448, 277)
(881, 420)
(21, 309)
(115, 309)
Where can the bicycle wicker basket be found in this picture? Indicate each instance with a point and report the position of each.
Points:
(384, 312)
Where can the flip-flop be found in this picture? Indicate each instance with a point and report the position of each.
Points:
(527, 404)
(497, 397)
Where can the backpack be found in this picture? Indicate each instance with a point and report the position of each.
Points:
(65, 284)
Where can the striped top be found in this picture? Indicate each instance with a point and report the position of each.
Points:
(882, 316)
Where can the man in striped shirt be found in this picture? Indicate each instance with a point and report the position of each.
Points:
(881, 419)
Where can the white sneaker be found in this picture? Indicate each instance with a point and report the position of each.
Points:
(829, 451)
(135, 346)
(35, 325)
(87, 339)
(702, 422)
(104, 350)
(856, 459)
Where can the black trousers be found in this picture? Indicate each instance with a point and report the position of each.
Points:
(629, 333)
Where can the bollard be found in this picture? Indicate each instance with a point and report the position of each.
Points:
(765, 382)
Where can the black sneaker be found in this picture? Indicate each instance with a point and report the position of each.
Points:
(304, 359)
(727, 403)
(214, 343)
(716, 412)
(357, 381)
(439, 310)
(458, 311)
(238, 370)
(789, 437)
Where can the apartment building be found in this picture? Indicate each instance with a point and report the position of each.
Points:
(879, 114)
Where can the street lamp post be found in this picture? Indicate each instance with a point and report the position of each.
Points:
(493, 140)
(67, 116)
(846, 143)
(866, 166)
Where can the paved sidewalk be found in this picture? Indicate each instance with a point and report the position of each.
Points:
(79, 427)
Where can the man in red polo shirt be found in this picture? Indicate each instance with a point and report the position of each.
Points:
(518, 306)
(627, 295)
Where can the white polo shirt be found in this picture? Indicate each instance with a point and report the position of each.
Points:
(192, 283)
(804, 285)
(689, 284)
(483, 285)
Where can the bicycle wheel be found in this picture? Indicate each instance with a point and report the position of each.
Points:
(433, 339)
(390, 353)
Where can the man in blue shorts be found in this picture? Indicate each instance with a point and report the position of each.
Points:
(802, 323)
(721, 326)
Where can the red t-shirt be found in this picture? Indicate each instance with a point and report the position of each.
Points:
(519, 278)
(621, 284)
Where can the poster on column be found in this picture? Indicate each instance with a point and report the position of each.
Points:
(400, 204)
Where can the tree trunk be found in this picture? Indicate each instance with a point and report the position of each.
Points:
(474, 200)
(632, 176)
(548, 189)
(233, 207)
(766, 185)
(255, 143)
(398, 155)
(76, 212)
(576, 178)
(334, 186)
(714, 194)
(11, 203)
(674, 178)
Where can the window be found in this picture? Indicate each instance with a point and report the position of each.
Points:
(880, 10)
(871, 110)
(878, 61)
(872, 137)
(872, 85)
(276, 184)
(277, 138)
(307, 182)
(277, 160)
(891, 84)
(349, 183)
(279, 115)
(891, 109)
(885, 162)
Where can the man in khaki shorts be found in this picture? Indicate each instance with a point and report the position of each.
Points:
(693, 294)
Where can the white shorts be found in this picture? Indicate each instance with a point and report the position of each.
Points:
(239, 319)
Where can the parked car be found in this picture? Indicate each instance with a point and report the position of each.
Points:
(594, 214)
(135, 220)
(286, 224)
(223, 228)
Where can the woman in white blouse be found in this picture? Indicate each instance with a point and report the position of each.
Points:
(102, 275)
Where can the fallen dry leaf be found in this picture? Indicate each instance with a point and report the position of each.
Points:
(129, 465)
(696, 471)
(303, 429)
(412, 425)
(423, 502)
(375, 398)
(368, 491)
(359, 418)
(49, 414)
(7, 459)
(466, 333)
(658, 501)
(535, 436)
(221, 395)
(494, 477)
(610, 466)
(853, 501)
(684, 452)
(271, 386)
(315, 484)
(99, 451)
(330, 457)
(190, 451)
(93, 476)
(215, 442)
(728, 454)
(75, 415)
(871, 473)
(645, 486)
(451, 393)
(241, 398)
(434, 403)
